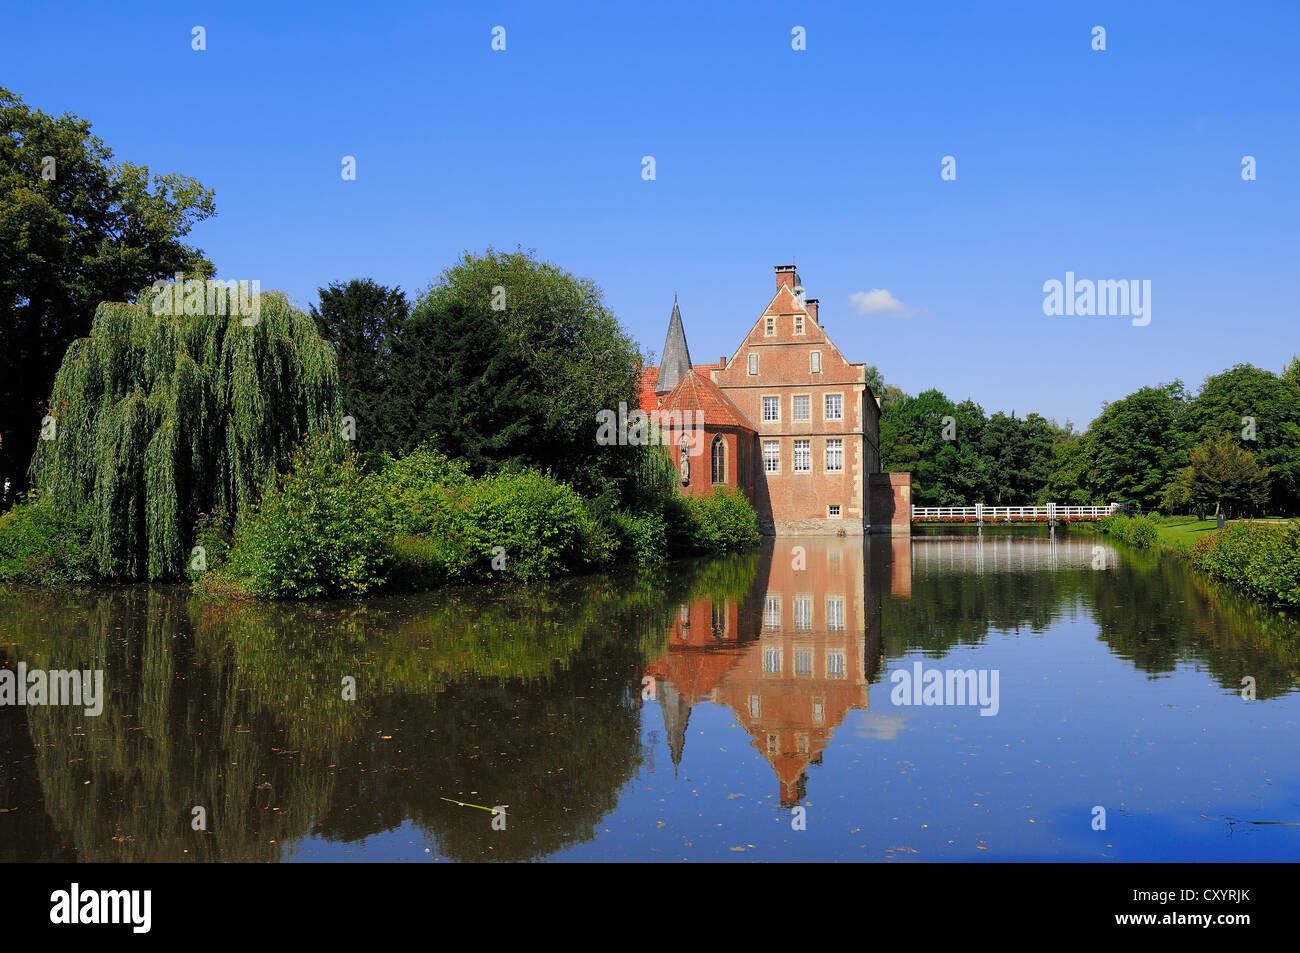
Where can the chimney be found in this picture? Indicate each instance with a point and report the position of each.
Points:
(811, 305)
(786, 277)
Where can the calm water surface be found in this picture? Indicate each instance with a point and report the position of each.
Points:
(688, 714)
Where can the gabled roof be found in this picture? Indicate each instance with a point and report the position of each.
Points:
(676, 360)
(695, 392)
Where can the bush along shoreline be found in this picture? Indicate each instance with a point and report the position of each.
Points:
(1260, 559)
(336, 523)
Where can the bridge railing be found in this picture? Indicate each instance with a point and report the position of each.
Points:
(1018, 514)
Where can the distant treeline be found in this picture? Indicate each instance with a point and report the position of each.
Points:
(1234, 444)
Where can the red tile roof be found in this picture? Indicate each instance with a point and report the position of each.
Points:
(650, 377)
(696, 392)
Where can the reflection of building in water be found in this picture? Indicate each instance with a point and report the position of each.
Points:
(792, 659)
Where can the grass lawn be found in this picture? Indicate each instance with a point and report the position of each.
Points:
(1182, 532)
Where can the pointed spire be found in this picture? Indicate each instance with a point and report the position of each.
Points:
(676, 359)
(677, 715)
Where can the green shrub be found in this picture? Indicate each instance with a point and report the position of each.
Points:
(41, 544)
(721, 521)
(1142, 532)
(643, 537)
(213, 532)
(1138, 531)
(425, 562)
(416, 491)
(318, 531)
(1261, 558)
(540, 524)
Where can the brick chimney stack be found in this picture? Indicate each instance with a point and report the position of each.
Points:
(811, 305)
(786, 277)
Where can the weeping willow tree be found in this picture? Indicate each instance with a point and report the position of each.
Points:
(158, 417)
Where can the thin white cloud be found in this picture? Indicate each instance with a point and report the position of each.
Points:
(877, 301)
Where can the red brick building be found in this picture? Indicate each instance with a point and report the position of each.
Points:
(787, 419)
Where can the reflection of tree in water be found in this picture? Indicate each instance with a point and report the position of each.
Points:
(521, 696)
(1156, 613)
(947, 609)
(1150, 610)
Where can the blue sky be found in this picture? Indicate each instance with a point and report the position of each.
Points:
(1122, 164)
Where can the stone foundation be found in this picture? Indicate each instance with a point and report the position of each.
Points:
(843, 526)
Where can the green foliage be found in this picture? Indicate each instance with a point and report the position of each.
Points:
(889, 394)
(161, 417)
(316, 532)
(214, 532)
(1223, 409)
(417, 490)
(41, 544)
(519, 384)
(643, 537)
(1138, 531)
(959, 457)
(1261, 558)
(97, 231)
(540, 523)
(1220, 473)
(362, 320)
(1137, 444)
(721, 521)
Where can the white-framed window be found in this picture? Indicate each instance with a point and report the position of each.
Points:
(803, 456)
(803, 612)
(801, 741)
(801, 407)
(819, 710)
(815, 362)
(755, 707)
(753, 363)
(771, 456)
(803, 662)
(798, 324)
(834, 409)
(835, 613)
(770, 330)
(832, 509)
(771, 408)
(772, 659)
(835, 664)
(834, 456)
(772, 747)
(772, 612)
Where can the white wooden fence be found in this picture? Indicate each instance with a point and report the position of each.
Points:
(981, 513)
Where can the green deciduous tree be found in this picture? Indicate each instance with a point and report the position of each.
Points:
(76, 228)
(1221, 475)
(1138, 444)
(1260, 410)
(508, 359)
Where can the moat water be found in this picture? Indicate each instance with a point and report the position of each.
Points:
(754, 707)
